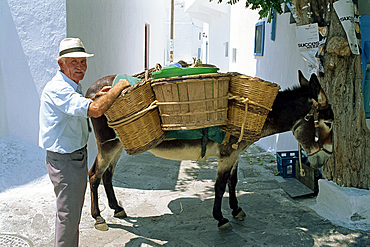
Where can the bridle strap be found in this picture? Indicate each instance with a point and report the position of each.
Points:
(301, 170)
(314, 112)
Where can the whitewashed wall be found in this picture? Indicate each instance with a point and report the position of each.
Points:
(30, 34)
(280, 62)
(219, 39)
(114, 31)
(186, 34)
(242, 23)
(216, 28)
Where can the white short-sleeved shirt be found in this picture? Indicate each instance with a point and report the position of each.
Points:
(63, 116)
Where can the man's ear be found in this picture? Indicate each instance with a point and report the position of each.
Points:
(60, 63)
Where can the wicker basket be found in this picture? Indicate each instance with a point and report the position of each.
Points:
(250, 101)
(135, 119)
(193, 101)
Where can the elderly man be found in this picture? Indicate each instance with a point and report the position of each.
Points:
(64, 134)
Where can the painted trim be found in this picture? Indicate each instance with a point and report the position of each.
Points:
(259, 44)
(273, 25)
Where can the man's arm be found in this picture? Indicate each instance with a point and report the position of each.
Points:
(99, 106)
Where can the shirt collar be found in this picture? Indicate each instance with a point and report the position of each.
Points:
(69, 81)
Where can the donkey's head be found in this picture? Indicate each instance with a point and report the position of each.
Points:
(314, 130)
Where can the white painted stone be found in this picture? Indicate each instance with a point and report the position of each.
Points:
(344, 206)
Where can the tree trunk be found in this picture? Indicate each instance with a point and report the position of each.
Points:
(342, 83)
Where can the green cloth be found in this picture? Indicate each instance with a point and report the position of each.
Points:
(214, 133)
(132, 80)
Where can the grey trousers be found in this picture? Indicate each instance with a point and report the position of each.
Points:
(68, 173)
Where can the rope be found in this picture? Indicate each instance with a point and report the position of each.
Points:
(191, 102)
(301, 170)
(133, 117)
(243, 100)
(246, 101)
(236, 145)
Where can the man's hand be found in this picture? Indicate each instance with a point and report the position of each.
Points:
(107, 95)
(102, 91)
(123, 83)
(105, 89)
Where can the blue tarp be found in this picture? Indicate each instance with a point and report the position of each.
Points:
(365, 42)
(365, 58)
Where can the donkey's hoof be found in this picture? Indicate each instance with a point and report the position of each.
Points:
(100, 224)
(120, 214)
(224, 224)
(239, 214)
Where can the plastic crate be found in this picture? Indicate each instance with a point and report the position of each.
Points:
(286, 162)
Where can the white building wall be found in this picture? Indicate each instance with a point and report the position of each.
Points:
(114, 32)
(219, 36)
(242, 23)
(30, 34)
(216, 29)
(279, 64)
(186, 34)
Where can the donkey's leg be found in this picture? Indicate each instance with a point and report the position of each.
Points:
(223, 175)
(106, 153)
(94, 180)
(237, 212)
(119, 212)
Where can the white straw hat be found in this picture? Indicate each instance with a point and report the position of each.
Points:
(72, 47)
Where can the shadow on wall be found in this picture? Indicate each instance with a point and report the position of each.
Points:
(25, 65)
(3, 116)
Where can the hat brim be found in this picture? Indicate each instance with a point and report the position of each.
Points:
(75, 54)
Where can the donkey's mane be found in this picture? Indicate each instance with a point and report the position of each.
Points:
(292, 94)
(288, 101)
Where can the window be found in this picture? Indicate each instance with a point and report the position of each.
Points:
(226, 49)
(234, 55)
(259, 38)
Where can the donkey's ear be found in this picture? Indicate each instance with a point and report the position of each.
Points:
(302, 80)
(314, 87)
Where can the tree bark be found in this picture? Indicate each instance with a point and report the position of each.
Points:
(342, 82)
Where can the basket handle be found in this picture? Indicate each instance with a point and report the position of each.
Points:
(133, 117)
(236, 145)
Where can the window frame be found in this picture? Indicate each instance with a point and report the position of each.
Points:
(260, 42)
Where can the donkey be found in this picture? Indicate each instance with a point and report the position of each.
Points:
(304, 110)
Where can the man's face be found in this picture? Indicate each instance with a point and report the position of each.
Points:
(73, 67)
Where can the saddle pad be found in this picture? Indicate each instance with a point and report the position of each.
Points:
(214, 133)
(132, 80)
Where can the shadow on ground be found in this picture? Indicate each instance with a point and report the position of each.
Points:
(270, 221)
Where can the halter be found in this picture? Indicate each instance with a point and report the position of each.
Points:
(314, 112)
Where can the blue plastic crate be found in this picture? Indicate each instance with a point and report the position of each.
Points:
(286, 162)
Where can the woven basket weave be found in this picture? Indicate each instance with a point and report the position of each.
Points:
(250, 102)
(193, 101)
(135, 119)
